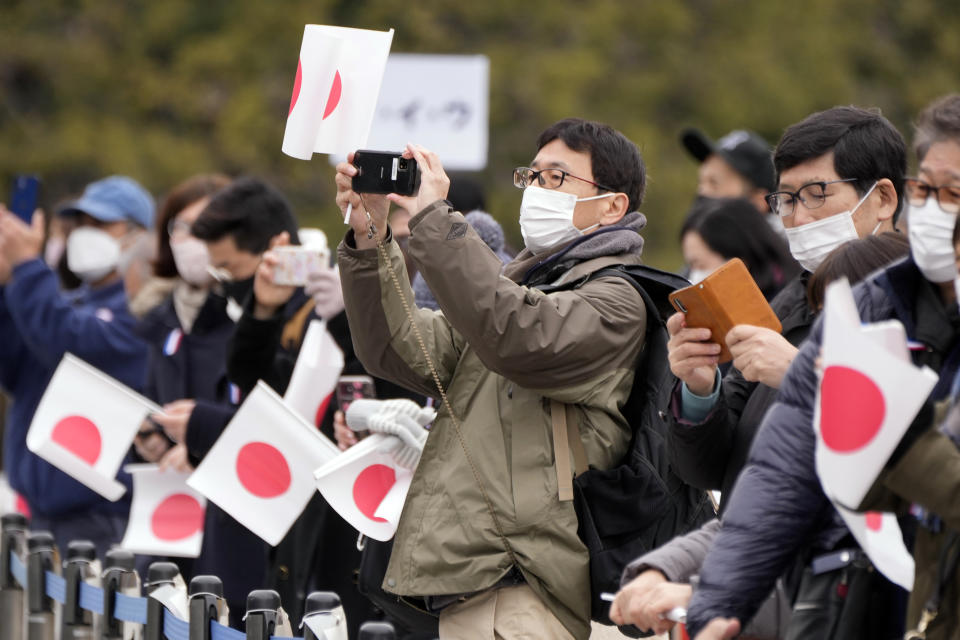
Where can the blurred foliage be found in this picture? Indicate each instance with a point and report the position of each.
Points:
(163, 89)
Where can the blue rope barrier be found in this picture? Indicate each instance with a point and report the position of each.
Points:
(56, 587)
(126, 608)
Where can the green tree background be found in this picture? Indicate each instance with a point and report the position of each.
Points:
(163, 89)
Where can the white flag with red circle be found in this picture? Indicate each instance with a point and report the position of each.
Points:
(880, 537)
(366, 487)
(315, 375)
(166, 516)
(869, 394)
(260, 470)
(85, 424)
(335, 90)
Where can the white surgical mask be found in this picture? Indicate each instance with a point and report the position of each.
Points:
(931, 241)
(810, 243)
(92, 254)
(192, 259)
(546, 218)
(697, 275)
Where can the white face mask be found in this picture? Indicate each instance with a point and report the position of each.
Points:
(192, 260)
(92, 254)
(546, 218)
(810, 243)
(697, 275)
(931, 241)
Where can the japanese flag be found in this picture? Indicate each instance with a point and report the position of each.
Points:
(869, 394)
(336, 89)
(880, 537)
(315, 375)
(366, 487)
(260, 469)
(85, 423)
(166, 517)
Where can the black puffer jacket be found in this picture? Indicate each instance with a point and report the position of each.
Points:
(710, 454)
(778, 508)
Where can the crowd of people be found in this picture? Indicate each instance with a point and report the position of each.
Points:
(530, 359)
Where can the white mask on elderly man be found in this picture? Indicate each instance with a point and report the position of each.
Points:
(546, 218)
(810, 243)
(931, 240)
(92, 254)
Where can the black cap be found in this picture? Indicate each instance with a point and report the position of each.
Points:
(13, 521)
(321, 601)
(81, 550)
(39, 540)
(119, 559)
(745, 151)
(161, 572)
(263, 599)
(377, 631)
(206, 584)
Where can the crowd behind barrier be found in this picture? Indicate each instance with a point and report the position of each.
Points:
(38, 602)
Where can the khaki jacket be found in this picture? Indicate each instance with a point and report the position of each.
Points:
(501, 351)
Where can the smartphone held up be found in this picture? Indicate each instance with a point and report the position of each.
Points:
(23, 196)
(385, 172)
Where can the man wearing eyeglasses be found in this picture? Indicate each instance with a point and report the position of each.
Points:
(778, 510)
(485, 538)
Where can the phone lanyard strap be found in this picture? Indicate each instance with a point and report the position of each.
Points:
(436, 380)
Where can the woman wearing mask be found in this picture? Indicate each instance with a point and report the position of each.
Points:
(719, 229)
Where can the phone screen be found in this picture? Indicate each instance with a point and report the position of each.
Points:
(23, 196)
(350, 388)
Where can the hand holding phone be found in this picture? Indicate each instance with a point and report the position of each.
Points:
(295, 264)
(350, 388)
(385, 172)
(23, 196)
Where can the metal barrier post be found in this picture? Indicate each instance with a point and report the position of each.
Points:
(377, 631)
(77, 623)
(41, 557)
(158, 575)
(262, 617)
(12, 539)
(206, 595)
(119, 575)
(324, 617)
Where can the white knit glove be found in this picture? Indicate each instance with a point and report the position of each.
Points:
(405, 421)
(324, 287)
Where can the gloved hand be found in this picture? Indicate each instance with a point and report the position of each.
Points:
(405, 456)
(403, 419)
(399, 425)
(324, 287)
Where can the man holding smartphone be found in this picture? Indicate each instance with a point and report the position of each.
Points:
(485, 539)
(39, 323)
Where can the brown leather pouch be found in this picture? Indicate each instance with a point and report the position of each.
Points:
(724, 299)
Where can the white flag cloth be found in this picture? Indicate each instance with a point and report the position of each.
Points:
(869, 394)
(166, 516)
(260, 469)
(85, 423)
(336, 89)
(315, 375)
(366, 487)
(880, 537)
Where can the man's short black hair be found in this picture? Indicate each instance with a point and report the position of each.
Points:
(865, 146)
(615, 161)
(248, 210)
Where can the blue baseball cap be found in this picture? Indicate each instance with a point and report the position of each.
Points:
(113, 199)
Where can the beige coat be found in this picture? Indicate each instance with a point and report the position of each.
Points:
(502, 350)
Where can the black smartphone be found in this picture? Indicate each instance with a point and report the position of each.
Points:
(385, 172)
(23, 196)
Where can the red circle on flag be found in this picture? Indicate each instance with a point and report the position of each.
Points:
(852, 409)
(262, 470)
(322, 410)
(370, 488)
(296, 87)
(334, 98)
(80, 436)
(874, 520)
(177, 517)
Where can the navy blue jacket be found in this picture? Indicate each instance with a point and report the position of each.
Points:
(38, 324)
(778, 508)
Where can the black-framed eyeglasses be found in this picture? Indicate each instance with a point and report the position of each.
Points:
(948, 195)
(812, 196)
(523, 177)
